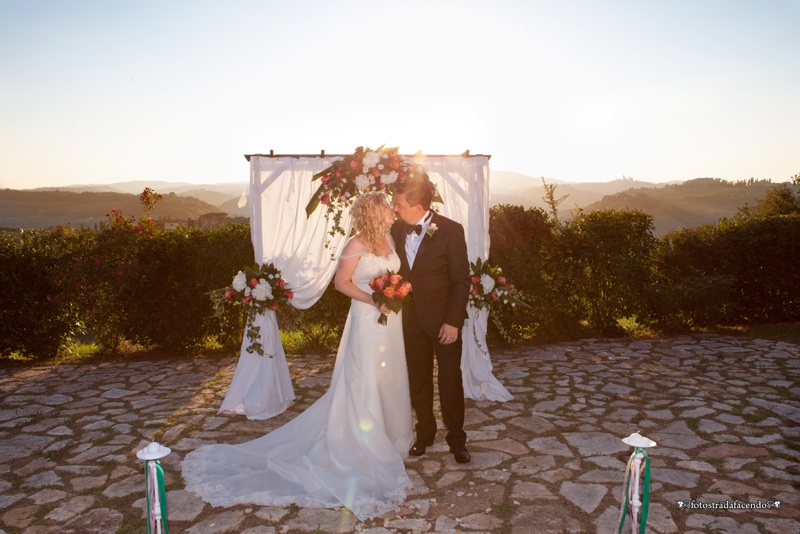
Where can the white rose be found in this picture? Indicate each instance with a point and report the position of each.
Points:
(371, 159)
(389, 178)
(487, 282)
(262, 291)
(362, 181)
(239, 282)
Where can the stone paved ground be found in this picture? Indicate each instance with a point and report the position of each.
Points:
(725, 412)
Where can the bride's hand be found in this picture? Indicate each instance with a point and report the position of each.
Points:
(382, 308)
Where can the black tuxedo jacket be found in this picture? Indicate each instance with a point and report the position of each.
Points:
(440, 280)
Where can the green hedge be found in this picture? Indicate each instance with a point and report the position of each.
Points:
(39, 316)
(131, 281)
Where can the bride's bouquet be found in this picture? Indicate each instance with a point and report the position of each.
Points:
(390, 289)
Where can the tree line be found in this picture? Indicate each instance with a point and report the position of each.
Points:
(594, 275)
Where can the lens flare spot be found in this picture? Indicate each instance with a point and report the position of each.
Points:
(365, 425)
(383, 363)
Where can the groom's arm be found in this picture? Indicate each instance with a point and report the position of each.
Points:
(458, 270)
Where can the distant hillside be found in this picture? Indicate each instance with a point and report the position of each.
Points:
(578, 194)
(43, 208)
(683, 204)
(688, 204)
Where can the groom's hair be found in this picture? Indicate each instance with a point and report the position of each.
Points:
(416, 191)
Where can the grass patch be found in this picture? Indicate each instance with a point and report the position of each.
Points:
(503, 510)
(188, 429)
(317, 339)
(130, 527)
(56, 455)
(787, 332)
(693, 423)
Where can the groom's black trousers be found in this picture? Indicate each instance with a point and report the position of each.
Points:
(420, 352)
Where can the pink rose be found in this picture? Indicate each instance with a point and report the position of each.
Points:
(475, 291)
(495, 297)
(375, 171)
(325, 199)
(355, 164)
(325, 178)
(510, 286)
(339, 172)
(229, 294)
(476, 279)
(389, 292)
(501, 279)
(394, 164)
(247, 299)
(253, 282)
(280, 283)
(273, 306)
(289, 294)
(395, 279)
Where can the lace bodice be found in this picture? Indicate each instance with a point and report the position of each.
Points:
(369, 266)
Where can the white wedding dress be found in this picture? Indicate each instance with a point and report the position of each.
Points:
(345, 449)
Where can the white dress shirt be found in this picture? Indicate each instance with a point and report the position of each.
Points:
(413, 240)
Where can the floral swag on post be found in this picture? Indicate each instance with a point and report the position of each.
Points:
(491, 289)
(365, 171)
(257, 289)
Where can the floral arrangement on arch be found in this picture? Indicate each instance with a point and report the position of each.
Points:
(364, 171)
(257, 289)
(490, 288)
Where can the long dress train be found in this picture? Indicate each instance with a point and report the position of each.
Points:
(345, 449)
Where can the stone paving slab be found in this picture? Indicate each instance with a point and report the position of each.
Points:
(725, 412)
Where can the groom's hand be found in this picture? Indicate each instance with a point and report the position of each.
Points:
(447, 334)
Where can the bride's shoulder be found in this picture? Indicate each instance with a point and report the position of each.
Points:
(354, 247)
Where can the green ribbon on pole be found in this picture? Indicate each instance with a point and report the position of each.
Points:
(162, 494)
(645, 491)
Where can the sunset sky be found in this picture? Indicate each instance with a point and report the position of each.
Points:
(95, 92)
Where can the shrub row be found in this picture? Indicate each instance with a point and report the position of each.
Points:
(601, 268)
(131, 281)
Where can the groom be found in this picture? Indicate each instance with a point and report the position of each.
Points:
(433, 257)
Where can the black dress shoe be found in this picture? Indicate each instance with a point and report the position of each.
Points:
(418, 449)
(461, 455)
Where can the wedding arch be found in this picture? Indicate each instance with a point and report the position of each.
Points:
(306, 251)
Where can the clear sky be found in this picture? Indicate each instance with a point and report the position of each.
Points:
(102, 91)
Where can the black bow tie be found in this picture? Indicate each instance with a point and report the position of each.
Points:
(416, 228)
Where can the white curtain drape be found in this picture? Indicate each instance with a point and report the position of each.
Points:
(304, 251)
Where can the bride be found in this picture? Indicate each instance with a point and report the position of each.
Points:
(348, 447)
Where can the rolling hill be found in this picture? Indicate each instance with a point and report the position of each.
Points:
(43, 209)
(679, 204)
(689, 204)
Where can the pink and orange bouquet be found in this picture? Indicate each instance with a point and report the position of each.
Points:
(390, 289)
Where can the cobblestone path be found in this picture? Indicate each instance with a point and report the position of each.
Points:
(725, 412)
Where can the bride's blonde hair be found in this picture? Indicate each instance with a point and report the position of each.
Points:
(368, 221)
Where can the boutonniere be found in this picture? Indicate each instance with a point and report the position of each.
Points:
(431, 229)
